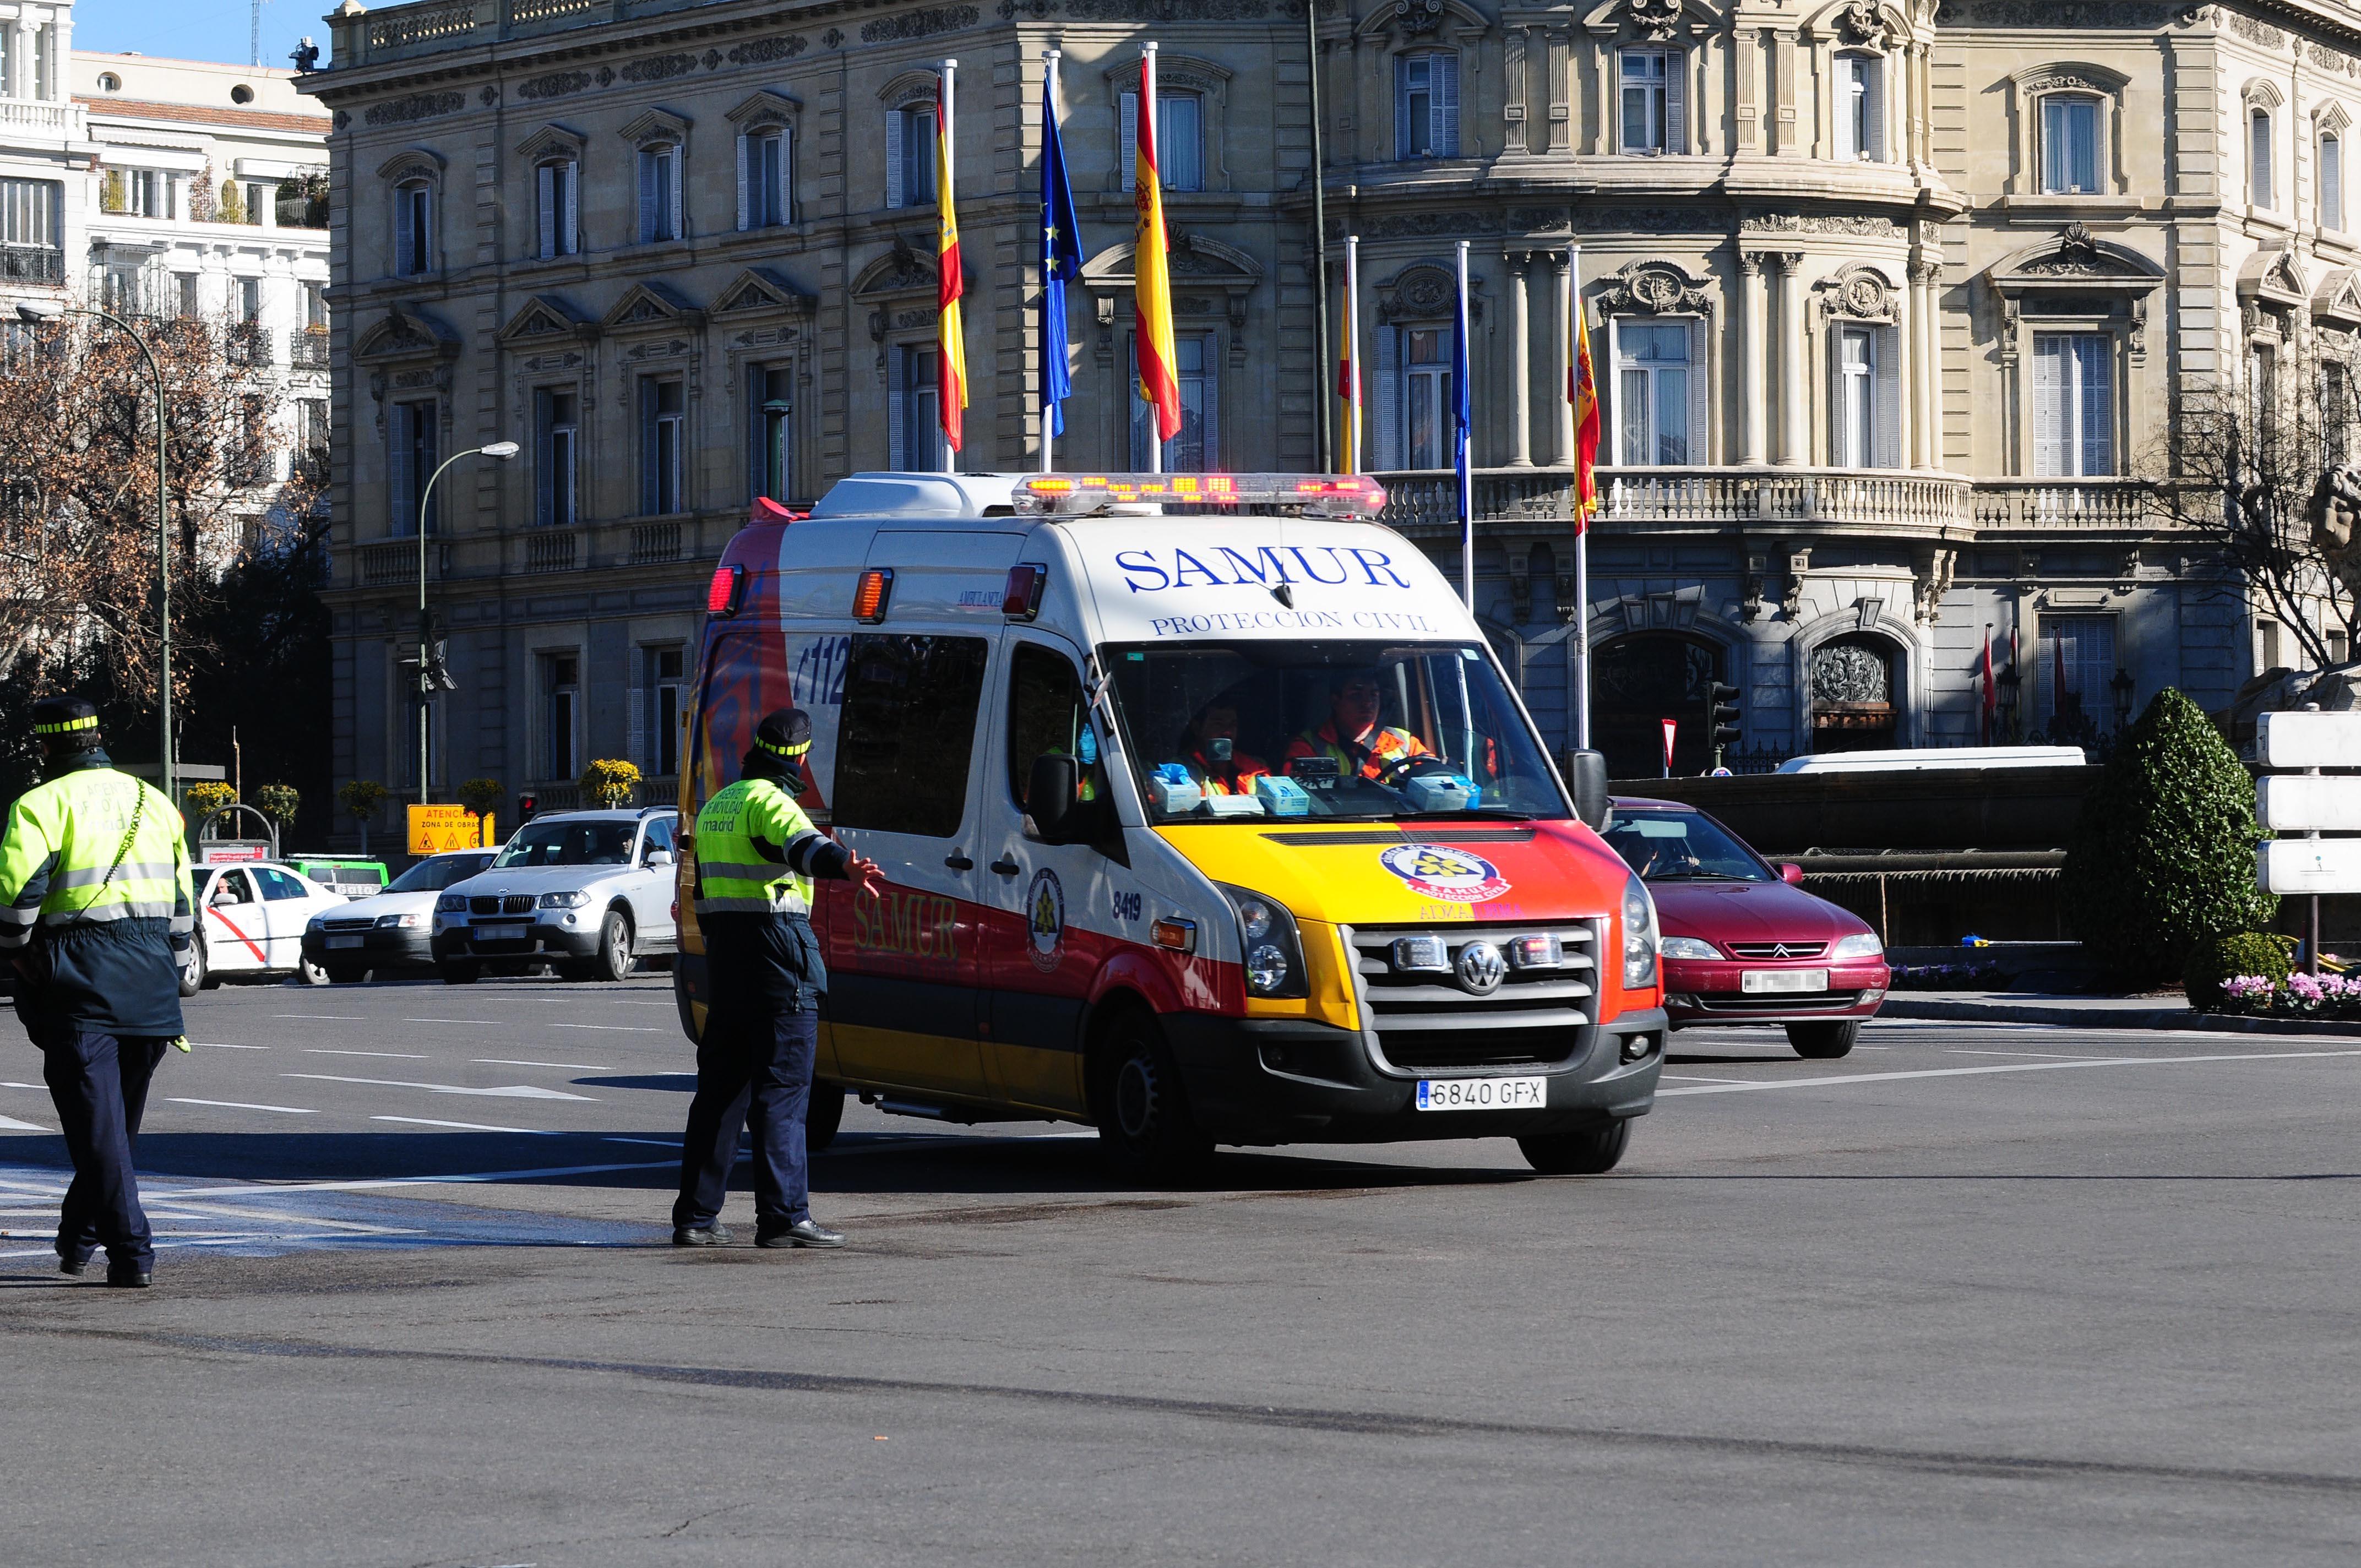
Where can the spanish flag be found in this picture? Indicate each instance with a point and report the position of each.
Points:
(950, 371)
(1159, 385)
(1582, 391)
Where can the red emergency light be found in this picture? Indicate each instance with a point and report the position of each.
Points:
(876, 589)
(1021, 599)
(728, 585)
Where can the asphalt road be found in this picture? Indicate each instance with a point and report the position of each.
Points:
(1971, 1295)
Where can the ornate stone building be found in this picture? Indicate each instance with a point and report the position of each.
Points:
(1893, 312)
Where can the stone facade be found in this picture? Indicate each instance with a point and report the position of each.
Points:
(1892, 312)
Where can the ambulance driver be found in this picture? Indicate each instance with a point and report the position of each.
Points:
(1212, 754)
(1351, 735)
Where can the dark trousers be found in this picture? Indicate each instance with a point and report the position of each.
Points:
(756, 1068)
(99, 1083)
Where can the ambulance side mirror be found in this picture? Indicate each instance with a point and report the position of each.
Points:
(1585, 775)
(1050, 796)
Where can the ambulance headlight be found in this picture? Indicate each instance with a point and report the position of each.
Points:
(1268, 941)
(1638, 938)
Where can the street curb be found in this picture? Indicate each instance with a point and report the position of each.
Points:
(2102, 1018)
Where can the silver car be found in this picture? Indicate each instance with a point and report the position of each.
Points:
(589, 892)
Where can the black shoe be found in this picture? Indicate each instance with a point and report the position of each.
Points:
(71, 1265)
(700, 1235)
(128, 1276)
(803, 1232)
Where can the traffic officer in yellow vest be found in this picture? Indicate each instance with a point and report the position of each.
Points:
(756, 856)
(96, 912)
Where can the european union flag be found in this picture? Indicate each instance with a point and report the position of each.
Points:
(1061, 260)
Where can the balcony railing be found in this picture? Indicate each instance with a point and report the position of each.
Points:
(307, 348)
(396, 561)
(38, 114)
(2066, 503)
(246, 343)
(1774, 496)
(653, 542)
(32, 263)
(549, 553)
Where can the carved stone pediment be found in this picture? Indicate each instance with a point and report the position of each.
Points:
(1654, 288)
(551, 141)
(1657, 20)
(759, 290)
(901, 271)
(547, 318)
(1858, 293)
(2274, 278)
(2337, 300)
(407, 333)
(651, 307)
(2077, 259)
(655, 125)
(1862, 23)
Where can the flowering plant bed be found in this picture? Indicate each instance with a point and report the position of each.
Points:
(2299, 996)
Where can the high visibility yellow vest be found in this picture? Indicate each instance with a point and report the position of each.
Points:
(93, 846)
(732, 877)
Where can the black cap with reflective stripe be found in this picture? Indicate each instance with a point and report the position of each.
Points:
(64, 716)
(786, 732)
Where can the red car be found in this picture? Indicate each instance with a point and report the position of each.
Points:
(1742, 943)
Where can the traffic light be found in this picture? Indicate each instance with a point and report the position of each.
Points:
(1720, 718)
(527, 803)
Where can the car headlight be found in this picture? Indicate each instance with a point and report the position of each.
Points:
(315, 925)
(1268, 939)
(574, 900)
(396, 922)
(1638, 938)
(1686, 947)
(1859, 945)
(452, 903)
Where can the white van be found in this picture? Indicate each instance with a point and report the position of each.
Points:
(1217, 823)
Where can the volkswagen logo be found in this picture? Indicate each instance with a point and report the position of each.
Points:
(1481, 968)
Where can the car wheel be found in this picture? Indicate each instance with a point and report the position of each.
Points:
(1145, 1124)
(1594, 1151)
(614, 960)
(311, 973)
(1824, 1042)
(194, 968)
(460, 974)
(825, 1116)
(345, 974)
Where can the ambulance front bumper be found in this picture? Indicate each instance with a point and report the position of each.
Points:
(1253, 1080)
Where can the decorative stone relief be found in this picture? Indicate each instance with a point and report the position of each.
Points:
(417, 106)
(1167, 10)
(1652, 288)
(1932, 579)
(658, 68)
(1855, 293)
(1858, 224)
(1652, 220)
(1433, 224)
(1417, 18)
(1861, 22)
(923, 24)
(1658, 20)
(762, 51)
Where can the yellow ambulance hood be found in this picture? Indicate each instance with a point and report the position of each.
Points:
(1385, 874)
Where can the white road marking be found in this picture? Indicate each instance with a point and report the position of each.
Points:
(224, 1046)
(10, 1125)
(371, 1184)
(473, 1023)
(2058, 1056)
(396, 1056)
(619, 1028)
(23, 1086)
(243, 1105)
(660, 1142)
(332, 1017)
(2011, 1067)
(1691, 1078)
(467, 1126)
(512, 1091)
(511, 1062)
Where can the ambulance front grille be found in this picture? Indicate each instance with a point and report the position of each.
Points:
(1425, 1022)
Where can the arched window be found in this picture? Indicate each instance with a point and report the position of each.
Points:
(910, 154)
(2331, 180)
(1180, 138)
(1638, 681)
(1852, 694)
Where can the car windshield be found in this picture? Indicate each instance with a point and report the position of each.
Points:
(1682, 846)
(569, 843)
(1362, 732)
(434, 875)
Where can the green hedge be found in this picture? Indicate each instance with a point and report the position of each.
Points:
(2164, 856)
(2210, 962)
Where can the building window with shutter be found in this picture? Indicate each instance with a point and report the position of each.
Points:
(1653, 377)
(1427, 418)
(2073, 404)
(914, 420)
(2070, 145)
(769, 399)
(1864, 396)
(557, 204)
(557, 433)
(1197, 448)
(1427, 106)
(1654, 102)
(411, 462)
(661, 215)
(663, 421)
(2078, 656)
(765, 196)
(660, 723)
(1861, 108)
(910, 155)
(2331, 180)
(413, 228)
(1180, 140)
(2258, 158)
(561, 694)
(2336, 413)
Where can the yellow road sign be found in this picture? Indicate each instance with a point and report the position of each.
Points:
(434, 828)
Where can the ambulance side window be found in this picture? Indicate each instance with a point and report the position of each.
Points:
(908, 732)
(1045, 717)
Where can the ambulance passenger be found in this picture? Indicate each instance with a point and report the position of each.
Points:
(1352, 736)
(1213, 758)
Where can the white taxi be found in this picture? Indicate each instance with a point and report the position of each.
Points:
(251, 922)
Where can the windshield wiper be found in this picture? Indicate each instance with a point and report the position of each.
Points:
(1700, 876)
(1508, 813)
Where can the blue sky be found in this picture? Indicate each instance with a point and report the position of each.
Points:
(198, 29)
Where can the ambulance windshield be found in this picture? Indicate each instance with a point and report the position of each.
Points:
(1356, 730)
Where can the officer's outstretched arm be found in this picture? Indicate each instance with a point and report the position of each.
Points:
(27, 859)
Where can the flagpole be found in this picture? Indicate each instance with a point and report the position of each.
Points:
(1352, 352)
(1147, 127)
(1581, 524)
(942, 362)
(1049, 465)
(1464, 362)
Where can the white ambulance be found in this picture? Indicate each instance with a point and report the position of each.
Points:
(1210, 818)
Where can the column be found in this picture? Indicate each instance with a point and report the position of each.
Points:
(1562, 426)
(1750, 325)
(1795, 431)
(1520, 362)
(1926, 378)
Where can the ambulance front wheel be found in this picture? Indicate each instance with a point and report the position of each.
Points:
(1145, 1124)
(1594, 1151)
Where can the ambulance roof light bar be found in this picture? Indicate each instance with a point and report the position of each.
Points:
(1340, 496)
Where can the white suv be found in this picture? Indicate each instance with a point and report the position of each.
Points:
(590, 890)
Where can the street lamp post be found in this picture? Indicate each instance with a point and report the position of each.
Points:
(33, 313)
(503, 450)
